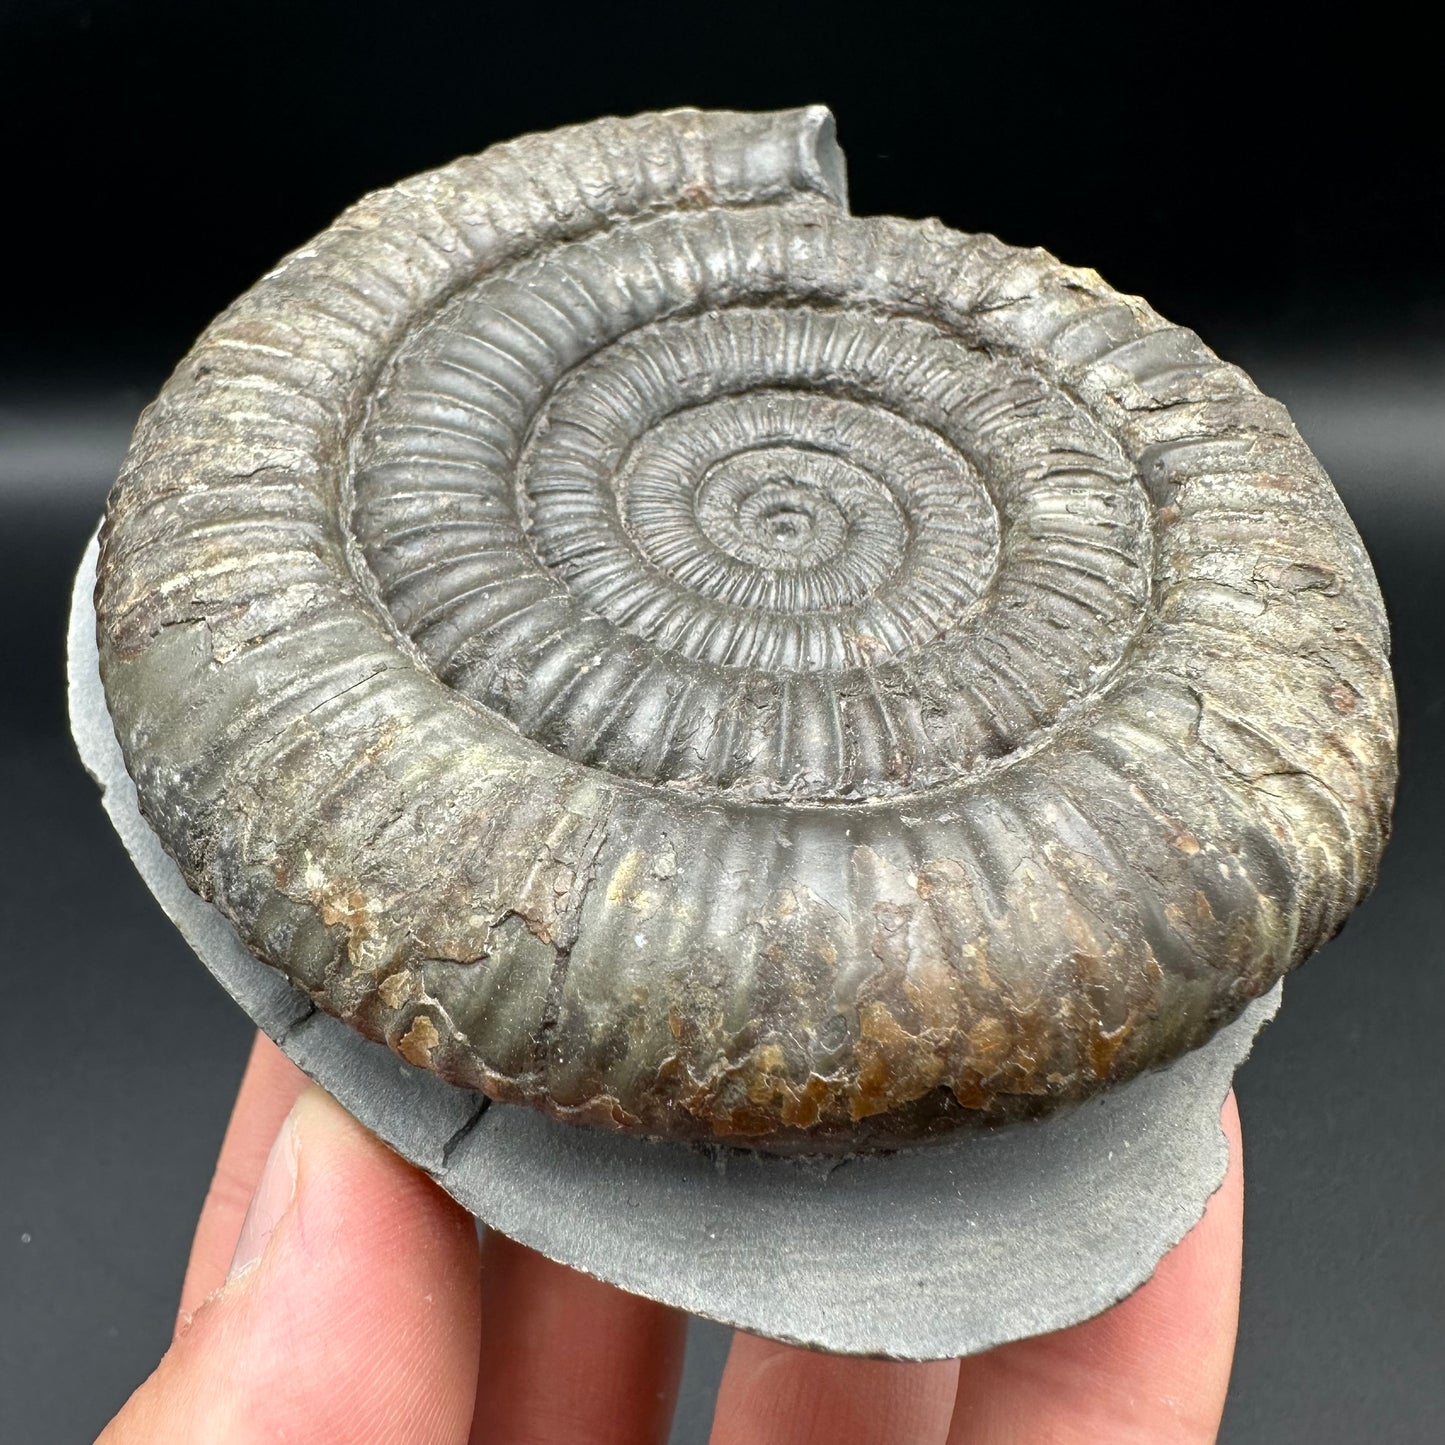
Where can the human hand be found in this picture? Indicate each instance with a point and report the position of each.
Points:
(335, 1294)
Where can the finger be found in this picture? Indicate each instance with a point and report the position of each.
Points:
(269, 1088)
(350, 1316)
(773, 1394)
(568, 1360)
(1154, 1368)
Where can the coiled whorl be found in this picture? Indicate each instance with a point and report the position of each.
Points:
(649, 644)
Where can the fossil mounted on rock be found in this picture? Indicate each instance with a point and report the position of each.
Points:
(651, 645)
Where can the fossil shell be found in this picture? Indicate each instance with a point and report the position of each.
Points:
(649, 644)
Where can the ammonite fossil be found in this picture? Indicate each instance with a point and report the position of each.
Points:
(648, 644)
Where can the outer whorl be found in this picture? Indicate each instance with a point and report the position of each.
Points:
(651, 645)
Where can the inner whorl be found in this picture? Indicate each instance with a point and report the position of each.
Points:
(651, 645)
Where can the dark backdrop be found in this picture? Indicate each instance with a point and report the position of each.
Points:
(1246, 169)
(1276, 187)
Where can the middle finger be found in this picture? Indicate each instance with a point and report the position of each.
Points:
(568, 1359)
(774, 1394)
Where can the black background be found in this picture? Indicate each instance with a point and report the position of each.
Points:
(1274, 186)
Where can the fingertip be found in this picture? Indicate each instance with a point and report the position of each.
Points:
(565, 1357)
(1229, 1121)
(1155, 1367)
(777, 1394)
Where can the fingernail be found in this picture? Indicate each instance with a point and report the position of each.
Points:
(274, 1192)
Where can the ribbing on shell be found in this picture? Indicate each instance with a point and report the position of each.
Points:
(649, 644)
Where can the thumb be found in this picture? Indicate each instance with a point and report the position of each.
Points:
(350, 1313)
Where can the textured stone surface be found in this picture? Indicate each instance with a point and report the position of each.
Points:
(644, 642)
(924, 1254)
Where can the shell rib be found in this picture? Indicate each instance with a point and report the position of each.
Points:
(648, 644)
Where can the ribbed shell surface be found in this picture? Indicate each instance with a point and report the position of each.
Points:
(648, 644)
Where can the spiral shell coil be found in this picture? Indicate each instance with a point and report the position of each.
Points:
(649, 644)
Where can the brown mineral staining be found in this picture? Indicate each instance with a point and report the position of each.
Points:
(351, 911)
(895, 1066)
(853, 680)
(802, 1108)
(1104, 1046)
(417, 1043)
(395, 989)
